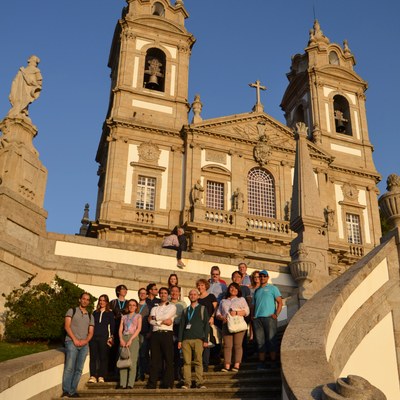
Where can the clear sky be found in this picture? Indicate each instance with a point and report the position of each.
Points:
(237, 43)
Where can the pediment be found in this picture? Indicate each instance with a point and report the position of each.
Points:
(254, 128)
(156, 22)
(248, 128)
(340, 72)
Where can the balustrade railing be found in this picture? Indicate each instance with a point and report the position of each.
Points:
(267, 224)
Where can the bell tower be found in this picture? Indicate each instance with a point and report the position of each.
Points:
(140, 152)
(326, 94)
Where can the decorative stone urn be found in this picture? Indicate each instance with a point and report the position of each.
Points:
(389, 202)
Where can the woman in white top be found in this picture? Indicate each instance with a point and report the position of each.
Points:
(233, 304)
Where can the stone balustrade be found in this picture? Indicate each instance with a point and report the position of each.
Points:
(37, 376)
(349, 328)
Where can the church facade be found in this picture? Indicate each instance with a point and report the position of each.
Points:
(228, 181)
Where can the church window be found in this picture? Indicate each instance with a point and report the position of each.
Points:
(154, 70)
(158, 9)
(215, 195)
(341, 112)
(299, 115)
(261, 193)
(333, 58)
(353, 228)
(146, 193)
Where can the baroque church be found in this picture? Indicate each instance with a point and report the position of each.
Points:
(228, 181)
(298, 199)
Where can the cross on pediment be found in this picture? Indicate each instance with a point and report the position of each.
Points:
(257, 85)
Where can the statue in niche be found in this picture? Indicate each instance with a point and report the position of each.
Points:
(237, 200)
(25, 88)
(329, 217)
(197, 193)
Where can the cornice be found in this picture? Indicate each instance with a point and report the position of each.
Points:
(370, 175)
(121, 123)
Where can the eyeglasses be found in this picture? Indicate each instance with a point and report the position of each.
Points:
(215, 274)
(263, 276)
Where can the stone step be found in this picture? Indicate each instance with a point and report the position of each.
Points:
(270, 392)
(224, 380)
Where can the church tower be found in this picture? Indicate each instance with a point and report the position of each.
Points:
(140, 151)
(327, 95)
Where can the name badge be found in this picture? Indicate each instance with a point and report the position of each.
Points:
(188, 326)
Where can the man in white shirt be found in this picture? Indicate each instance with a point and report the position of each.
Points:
(162, 341)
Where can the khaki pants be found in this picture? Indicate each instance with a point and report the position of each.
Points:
(195, 347)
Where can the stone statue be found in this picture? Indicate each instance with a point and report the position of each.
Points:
(238, 200)
(197, 193)
(288, 206)
(316, 134)
(25, 88)
(329, 216)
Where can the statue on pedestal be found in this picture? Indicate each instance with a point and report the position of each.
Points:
(25, 88)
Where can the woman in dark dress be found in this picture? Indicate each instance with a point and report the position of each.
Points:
(102, 340)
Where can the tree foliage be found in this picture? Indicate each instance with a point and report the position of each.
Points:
(36, 312)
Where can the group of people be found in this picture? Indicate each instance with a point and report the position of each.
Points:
(164, 336)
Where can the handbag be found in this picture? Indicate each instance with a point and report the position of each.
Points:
(236, 323)
(124, 360)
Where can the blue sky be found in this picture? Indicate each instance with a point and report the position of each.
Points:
(237, 43)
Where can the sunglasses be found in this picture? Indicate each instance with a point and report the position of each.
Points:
(263, 276)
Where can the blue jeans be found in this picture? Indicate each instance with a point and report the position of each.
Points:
(74, 360)
(265, 329)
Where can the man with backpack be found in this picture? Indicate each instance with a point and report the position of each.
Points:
(192, 339)
(79, 326)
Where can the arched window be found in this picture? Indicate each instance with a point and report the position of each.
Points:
(299, 115)
(341, 111)
(261, 193)
(333, 58)
(158, 9)
(154, 70)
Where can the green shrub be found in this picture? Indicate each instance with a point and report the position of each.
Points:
(36, 312)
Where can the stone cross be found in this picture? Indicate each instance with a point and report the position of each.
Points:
(258, 106)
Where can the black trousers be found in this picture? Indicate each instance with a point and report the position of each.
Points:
(162, 359)
(98, 356)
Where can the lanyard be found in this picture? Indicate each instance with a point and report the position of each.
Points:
(121, 305)
(190, 314)
(141, 308)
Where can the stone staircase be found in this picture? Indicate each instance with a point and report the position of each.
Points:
(249, 384)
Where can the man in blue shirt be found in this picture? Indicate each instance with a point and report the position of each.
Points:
(267, 303)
